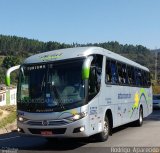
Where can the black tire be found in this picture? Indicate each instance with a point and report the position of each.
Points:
(139, 122)
(103, 136)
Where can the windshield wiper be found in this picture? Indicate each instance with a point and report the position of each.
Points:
(59, 100)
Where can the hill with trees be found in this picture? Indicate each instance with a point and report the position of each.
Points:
(14, 49)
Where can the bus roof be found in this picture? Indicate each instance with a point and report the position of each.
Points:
(70, 53)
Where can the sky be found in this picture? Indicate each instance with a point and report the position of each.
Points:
(134, 22)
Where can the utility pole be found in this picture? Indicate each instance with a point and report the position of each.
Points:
(156, 61)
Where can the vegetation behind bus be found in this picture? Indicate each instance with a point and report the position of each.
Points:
(14, 50)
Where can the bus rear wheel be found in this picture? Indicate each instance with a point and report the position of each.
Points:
(103, 136)
(139, 122)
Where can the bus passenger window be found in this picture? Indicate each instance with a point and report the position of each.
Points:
(120, 74)
(131, 75)
(145, 79)
(138, 77)
(114, 74)
(124, 73)
(142, 79)
(130, 81)
(108, 72)
(148, 79)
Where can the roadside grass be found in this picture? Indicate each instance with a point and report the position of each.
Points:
(9, 118)
(9, 108)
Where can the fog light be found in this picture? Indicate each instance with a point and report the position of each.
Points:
(18, 129)
(82, 129)
(79, 129)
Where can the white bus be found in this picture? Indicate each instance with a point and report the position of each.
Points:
(80, 92)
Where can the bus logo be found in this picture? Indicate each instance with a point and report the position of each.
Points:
(51, 57)
(45, 123)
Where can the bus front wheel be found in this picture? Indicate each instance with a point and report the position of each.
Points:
(103, 136)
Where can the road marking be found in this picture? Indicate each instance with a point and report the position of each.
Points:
(9, 138)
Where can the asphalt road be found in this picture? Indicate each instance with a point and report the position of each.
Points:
(125, 136)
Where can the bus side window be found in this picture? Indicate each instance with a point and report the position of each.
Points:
(142, 78)
(95, 76)
(145, 79)
(137, 77)
(120, 73)
(114, 73)
(108, 72)
(148, 79)
(131, 75)
(130, 79)
(124, 73)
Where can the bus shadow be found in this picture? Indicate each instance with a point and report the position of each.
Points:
(56, 145)
(14, 141)
(27, 143)
(71, 143)
(74, 143)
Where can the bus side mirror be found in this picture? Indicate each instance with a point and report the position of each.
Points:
(86, 68)
(7, 77)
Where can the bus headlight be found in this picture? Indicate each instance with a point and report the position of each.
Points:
(76, 117)
(22, 119)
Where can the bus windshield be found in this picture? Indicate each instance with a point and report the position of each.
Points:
(51, 87)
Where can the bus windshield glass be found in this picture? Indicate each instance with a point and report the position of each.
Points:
(51, 87)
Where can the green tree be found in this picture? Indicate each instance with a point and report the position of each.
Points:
(10, 61)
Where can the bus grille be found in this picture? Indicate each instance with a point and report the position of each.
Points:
(50, 123)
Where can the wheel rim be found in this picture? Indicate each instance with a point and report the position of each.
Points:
(106, 128)
(140, 117)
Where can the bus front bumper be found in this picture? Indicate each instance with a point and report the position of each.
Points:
(77, 128)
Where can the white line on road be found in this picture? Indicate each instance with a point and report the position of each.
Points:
(9, 138)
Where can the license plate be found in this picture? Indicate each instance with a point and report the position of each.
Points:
(46, 133)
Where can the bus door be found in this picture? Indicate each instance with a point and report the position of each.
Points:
(94, 85)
